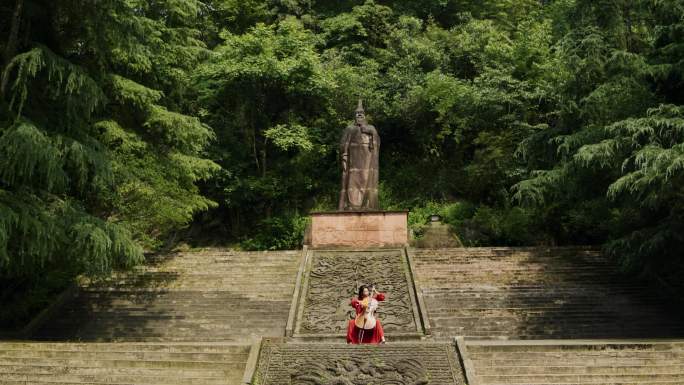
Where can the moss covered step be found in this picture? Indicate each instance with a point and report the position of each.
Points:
(208, 295)
(577, 362)
(536, 293)
(122, 363)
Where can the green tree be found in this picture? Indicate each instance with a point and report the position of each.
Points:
(618, 138)
(99, 160)
(265, 93)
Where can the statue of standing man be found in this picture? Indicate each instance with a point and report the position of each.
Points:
(359, 149)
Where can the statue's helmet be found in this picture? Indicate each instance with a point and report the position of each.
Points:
(359, 108)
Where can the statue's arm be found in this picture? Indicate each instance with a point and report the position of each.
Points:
(344, 148)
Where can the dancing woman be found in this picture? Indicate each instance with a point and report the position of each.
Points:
(365, 328)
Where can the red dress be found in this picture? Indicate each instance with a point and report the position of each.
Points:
(369, 336)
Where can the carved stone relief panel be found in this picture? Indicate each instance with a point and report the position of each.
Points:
(337, 364)
(334, 278)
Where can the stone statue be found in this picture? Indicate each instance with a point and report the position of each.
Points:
(359, 150)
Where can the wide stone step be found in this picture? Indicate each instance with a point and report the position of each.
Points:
(256, 316)
(126, 347)
(180, 296)
(167, 356)
(109, 378)
(501, 315)
(224, 296)
(524, 270)
(36, 369)
(582, 379)
(209, 272)
(537, 293)
(631, 347)
(204, 286)
(492, 365)
(487, 300)
(504, 310)
(595, 369)
(546, 362)
(203, 305)
(543, 331)
(592, 356)
(47, 380)
(121, 363)
(161, 335)
(179, 329)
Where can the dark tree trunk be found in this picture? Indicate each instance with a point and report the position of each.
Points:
(11, 47)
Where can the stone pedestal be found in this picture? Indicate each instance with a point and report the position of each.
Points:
(359, 229)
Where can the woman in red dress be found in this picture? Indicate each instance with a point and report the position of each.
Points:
(365, 328)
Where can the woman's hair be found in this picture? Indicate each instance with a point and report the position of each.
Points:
(361, 290)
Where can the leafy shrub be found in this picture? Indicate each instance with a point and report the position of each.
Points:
(278, 233)
(452, 213)
(510, 226)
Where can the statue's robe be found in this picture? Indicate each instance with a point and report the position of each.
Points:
(359, 150)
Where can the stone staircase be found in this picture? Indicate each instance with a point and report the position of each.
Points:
(189, 318)
(195, 317)
(576, 362)
(536, 293)
(211, 295)
(38, 363)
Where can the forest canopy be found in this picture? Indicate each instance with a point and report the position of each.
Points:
(127, 125)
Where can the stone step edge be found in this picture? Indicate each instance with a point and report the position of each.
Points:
(224, 368)
(572, 342)
(650, 382)
(40, 356)
(45, 382)
(48, 382)
(546, 366)
(70, 362)
(135, 343)
(110, 376)
(616, 376)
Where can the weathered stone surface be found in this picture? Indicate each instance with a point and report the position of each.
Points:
(337, 364)
(537, 293)
(38, 363)
(233, 298)
(577, 362)
(333, 279)
(359, 229)
(438, 235)
(211, 295)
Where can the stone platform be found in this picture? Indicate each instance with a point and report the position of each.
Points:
(358, 229)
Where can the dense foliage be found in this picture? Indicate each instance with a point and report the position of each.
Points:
(522, 122)
(99, 158)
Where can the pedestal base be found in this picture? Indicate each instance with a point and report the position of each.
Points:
(359, 229)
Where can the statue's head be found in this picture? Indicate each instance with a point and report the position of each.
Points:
(360, 114)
